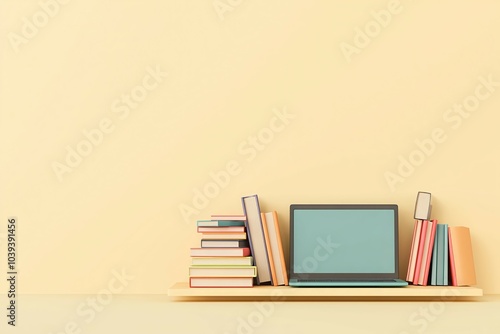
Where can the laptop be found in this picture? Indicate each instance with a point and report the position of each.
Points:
(344, 245)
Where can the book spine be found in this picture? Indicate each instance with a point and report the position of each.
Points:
(429, 252)
(423, 206)
(220, 229)
(446, 258)
(208, 243)
(441, 231)
(435, 256)
(452, 260)
(280, 247)
(191, 279)
(215, 252)
(272, 267)
(418, 263)
(413, 254)
(463, 258)
(222, 271)
(255, 234)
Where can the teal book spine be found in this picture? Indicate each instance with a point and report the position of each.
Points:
(208, 223)
(439, 259)
(435, 254)
(446, 258)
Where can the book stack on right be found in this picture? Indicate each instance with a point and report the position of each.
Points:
(440, 254)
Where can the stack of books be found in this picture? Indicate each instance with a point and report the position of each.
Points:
(223, 258)
(239, 250)
(440, 254)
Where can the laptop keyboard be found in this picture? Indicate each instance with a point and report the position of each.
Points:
(336, 281)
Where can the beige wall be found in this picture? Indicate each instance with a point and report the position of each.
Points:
(350, 108)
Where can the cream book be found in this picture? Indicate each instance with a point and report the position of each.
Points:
(414, 250)
(220, 282)
(222, 261)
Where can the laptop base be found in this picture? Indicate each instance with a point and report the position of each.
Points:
(317, 283)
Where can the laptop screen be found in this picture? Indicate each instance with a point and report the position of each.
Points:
(344, 241)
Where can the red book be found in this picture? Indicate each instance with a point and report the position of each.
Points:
(428, 241)
(229, 217)
(421, 243)
(427, 264)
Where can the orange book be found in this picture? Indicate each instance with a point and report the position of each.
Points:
(271, 219)
(462, 267)
(269, 250)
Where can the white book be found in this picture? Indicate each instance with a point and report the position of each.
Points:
(423, 206)
(222, 261)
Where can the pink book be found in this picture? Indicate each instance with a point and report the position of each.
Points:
(452, 260)
(228, 217)
(418, 264)
(215, 251)
(429, 252)
(413, 251)
(218, 229)
(425, 254)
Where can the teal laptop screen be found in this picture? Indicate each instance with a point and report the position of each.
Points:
(344, 241)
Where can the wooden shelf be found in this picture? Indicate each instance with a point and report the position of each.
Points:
(182, 289)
